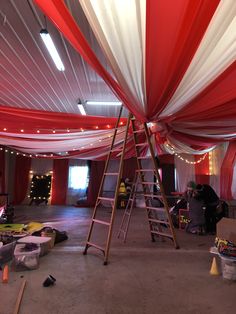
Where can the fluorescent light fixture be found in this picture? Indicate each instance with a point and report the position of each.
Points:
(104, 103)
(52, 49)
(81, 109)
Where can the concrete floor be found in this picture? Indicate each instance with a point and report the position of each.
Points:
(142, 277)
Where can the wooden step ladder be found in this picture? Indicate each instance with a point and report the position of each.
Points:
(109, 221)
(159, 219)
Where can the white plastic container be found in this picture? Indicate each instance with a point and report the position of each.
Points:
(43, 242)
(25, 260)
(228, 268)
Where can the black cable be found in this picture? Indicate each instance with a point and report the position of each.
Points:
(35, 16)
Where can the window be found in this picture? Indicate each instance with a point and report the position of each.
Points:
(78, 177)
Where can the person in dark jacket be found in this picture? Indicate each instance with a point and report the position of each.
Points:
(211, 200)
(196, 214)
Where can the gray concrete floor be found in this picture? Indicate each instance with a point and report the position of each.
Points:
(142, 277)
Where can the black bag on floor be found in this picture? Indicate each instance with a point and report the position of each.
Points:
(60, 236)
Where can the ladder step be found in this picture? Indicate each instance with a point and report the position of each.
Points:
(141, 144)
(111, 173)
(116, 150)
(146, 182)
(139, 131)
(168, 235)
(158, 221)
(145, 170)
(106, 199)
(158, 209)
(102, 222)
(96, 246)
(151, 195)
(143, 157)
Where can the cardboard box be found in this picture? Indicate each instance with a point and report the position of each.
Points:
(226, 229)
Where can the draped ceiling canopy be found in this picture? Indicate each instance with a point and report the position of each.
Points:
(171, 63)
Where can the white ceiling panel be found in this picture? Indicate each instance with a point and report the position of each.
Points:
(28, 76)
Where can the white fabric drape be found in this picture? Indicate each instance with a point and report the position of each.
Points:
(217, 158)
(215, 53)
(55, 143)
(120, 28)
(184, 172)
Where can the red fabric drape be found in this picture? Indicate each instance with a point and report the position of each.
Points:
(96, 172)
(202, 170)
(213, 102)
(22, 168)
(179, 30)
(2, 171)
(173, 33)
(226, 172)
(30, 120)
(130, 165)
(60, 181)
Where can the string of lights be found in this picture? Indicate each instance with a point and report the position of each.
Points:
(58, 131)
(185, 159)
(59, 154)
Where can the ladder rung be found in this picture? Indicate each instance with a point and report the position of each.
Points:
(159, 221)
(106, 199)
(150, 195)
(146, 182)
(141, 144)
(111, 173)
(96, 246)
(116, 150)
(159, 209)
(139, 131)
(162, 234)
(145, 170)
(102, 222)
(143, 157)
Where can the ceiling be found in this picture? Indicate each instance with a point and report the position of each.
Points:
(28, 76)
(173, 64)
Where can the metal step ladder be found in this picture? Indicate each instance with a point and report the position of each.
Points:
(159, 219)
(108, 221)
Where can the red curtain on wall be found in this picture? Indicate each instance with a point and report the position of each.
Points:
(202, 170)
(226, 172)
(2, 171)
(130, 165)
(96, 172)
(60, 181)
(22, 168)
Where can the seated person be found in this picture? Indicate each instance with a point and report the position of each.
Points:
(196, 214)
(191, 186)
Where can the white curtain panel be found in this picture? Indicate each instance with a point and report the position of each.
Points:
(73, 195)
(215, 53)
(120, 28)
(218, 155)
(233, 186)
(184, 172)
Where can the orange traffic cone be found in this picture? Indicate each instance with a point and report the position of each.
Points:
(214, 269)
